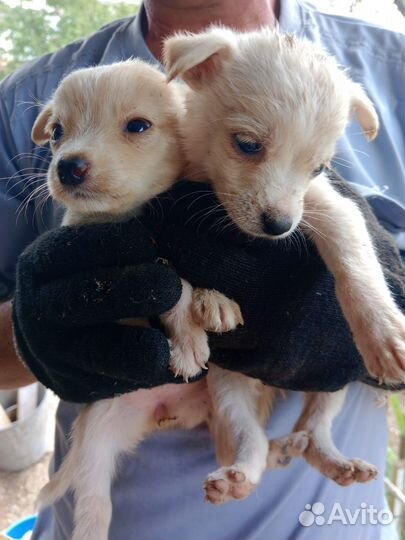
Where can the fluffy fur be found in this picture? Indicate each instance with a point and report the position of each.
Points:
(264, 113)
(87, 122)
(290, 100)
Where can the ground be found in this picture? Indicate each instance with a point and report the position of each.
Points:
(18, 491)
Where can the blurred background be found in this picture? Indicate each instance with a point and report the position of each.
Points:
(31, 28)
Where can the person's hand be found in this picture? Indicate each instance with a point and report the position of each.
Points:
(294, 336)
(73, 283)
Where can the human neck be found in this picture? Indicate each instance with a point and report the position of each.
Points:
(164, 17)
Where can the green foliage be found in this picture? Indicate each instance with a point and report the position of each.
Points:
(399, 413)
(32, 32)
(392, 462)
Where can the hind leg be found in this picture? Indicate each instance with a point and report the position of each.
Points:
(111, 432)
(101, 433)
(235, 401)
(320, 409)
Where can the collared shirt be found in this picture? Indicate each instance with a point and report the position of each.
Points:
(375, 57)
(158, 495)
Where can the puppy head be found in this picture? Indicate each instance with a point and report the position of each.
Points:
(263, 117)
(113, 132)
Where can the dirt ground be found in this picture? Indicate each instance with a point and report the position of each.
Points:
(19, 490)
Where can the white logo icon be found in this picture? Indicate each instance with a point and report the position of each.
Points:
(312, 514)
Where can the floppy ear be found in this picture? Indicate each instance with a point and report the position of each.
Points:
(41, 132)
(197, 58)
(364, 111)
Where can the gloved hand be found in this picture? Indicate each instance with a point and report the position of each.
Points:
(72, 284)
(295, 336)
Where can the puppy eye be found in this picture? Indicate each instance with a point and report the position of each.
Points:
(137, 125)
(247, 145)
(318, 170)
(57, 132)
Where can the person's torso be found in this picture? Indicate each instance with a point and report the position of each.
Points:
(158, 493)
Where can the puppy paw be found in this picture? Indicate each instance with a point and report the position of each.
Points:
(382, 346)
(189, 353)
(349, 471)
(227, 484)
(214, 311)
(363, 471)
(341, 470)
(282, 450)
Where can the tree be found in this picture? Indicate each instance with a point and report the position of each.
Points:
(27, 33)
(401, 6)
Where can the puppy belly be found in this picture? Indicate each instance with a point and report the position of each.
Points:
(171, 405)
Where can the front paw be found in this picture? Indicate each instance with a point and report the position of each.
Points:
(215, 312)
(189, 353)
(382, 345)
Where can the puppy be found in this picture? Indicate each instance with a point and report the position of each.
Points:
(113, 132)
(264, 114)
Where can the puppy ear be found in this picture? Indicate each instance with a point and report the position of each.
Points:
(41, 132)
(197, 58)
(364, 111)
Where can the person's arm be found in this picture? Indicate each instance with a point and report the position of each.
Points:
(13, 373)
(17, 234)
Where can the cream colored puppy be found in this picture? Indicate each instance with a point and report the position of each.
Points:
(115, 145)
(264, 113)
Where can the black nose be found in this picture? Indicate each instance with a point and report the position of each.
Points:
(72, 172)
(275, 226)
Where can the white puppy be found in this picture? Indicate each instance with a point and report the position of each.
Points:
(264, 113)
(115, 145)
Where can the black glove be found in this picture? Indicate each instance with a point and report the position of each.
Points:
(295, 336)
(72, 284)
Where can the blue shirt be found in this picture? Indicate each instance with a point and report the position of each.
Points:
(158, 493)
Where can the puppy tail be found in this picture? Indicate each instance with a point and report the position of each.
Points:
(64, 478)
(59, 484)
